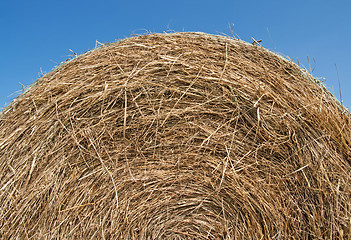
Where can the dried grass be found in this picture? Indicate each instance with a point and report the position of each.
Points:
(176, 136)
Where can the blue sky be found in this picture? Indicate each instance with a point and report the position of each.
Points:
(35, 36)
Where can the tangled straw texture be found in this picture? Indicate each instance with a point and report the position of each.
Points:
(176, 136)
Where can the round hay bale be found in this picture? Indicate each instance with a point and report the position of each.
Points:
(176, 136)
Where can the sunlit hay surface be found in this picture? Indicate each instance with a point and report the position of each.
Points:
(176, 136)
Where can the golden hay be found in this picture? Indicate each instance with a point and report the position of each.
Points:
(176, 136)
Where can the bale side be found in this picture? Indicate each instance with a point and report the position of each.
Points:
(176, 136)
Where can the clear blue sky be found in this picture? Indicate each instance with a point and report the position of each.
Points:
(37, 35)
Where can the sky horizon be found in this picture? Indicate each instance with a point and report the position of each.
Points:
(38, 35)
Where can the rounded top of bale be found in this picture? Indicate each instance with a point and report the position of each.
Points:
(176, 136)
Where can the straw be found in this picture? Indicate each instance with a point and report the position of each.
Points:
(176, 136)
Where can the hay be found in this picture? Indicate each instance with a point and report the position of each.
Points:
(176, 136)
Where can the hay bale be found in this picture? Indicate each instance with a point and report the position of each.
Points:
(176, 136)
